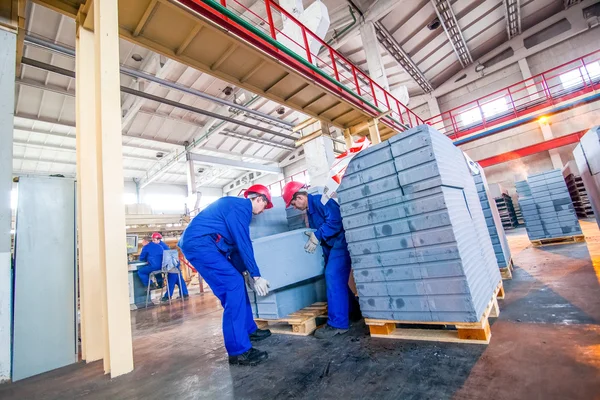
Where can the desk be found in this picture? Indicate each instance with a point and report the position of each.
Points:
(137, 291)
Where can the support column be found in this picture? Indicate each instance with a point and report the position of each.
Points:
(373, 53)
(319, 156)
(8, 51)
(118, 354)
(348, 138)
(554, 154)
(90, 281)
(374, 135)
(526, 72)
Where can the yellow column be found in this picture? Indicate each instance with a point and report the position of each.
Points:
(113, 246)
(348, 138)
(374, 131)
(90, 282)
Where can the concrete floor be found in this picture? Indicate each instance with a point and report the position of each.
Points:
(545, 345)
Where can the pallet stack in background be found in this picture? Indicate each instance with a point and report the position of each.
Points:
(494, 223)
(417, 236)
(507, 212)
(579, 197)
(547, 209)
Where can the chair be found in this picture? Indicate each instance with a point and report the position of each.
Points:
(170, 265)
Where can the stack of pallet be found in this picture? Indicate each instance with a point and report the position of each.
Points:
(494, 224)
(507, 212)
(547, 209)
(417, 236)
(518, 213)
(579, 196)
(587, 157)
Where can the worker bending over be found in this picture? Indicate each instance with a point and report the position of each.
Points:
(327, 221)
(217, 243)
(172, 279)
(152, 253)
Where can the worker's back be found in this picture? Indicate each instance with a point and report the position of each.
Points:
(319, 214)
(153, 254)
(213, 220)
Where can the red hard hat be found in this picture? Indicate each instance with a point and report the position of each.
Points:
(289, 190)
(260, 189)
(156, 235)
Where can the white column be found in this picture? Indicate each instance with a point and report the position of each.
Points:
(319, 156)
(373, 53)
(90, 280)
(554, 154)
(526, 72)
(8, 51)
(113, 248)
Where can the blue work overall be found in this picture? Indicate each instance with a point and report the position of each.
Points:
(208, 243)
(327, 221)
(152, 253)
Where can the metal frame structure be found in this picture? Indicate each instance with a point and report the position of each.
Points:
(443, 9)
(512, 13)
(395, 50)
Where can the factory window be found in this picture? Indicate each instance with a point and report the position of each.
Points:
(490, 109)
(14, 196)
(129, 198)
(571, 79)
(166, 203)
(593, 71)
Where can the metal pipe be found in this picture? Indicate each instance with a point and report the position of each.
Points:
(142, 75)
(71, 74)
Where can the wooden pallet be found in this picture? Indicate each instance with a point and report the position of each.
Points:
(457, 332)
(300, 323)
(558, 240)
(506, 272)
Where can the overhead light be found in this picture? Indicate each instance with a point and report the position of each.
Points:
(228, 90)
(137, 57)
(479, 67)
(160, 154)
(543, 119)
(281, 111)
(434, 24)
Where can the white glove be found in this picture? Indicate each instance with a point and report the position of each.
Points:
(311, 243)
(261, 286)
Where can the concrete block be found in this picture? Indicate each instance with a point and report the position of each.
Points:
(279, 304)
(283, 261)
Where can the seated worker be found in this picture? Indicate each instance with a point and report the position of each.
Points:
(327, 220)
(152, 253)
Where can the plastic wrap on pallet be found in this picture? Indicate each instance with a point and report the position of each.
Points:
(546, 206)
(493, 221)
(587, 157)
(416, 231)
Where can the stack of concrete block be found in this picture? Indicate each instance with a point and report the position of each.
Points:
(493, 221)
(295, 276)
(416, 232)
(587, 157)
(546, 206)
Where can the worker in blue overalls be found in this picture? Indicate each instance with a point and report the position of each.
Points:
(327, 221)
(172, 279)
(217, 243)
(152, 253)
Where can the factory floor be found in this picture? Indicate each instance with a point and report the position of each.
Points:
(545, 345)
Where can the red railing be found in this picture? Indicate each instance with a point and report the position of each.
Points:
(556, 85)
(327, 67)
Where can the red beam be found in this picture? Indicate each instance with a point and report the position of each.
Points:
(536, 148)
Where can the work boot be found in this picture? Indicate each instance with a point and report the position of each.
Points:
(186, 296)
(328, 331)
(164, 300)
(260, 334)
(251, 357)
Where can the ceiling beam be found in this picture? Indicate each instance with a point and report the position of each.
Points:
(444, 11)
(245, 166)
(512, 13)
(392, 46)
